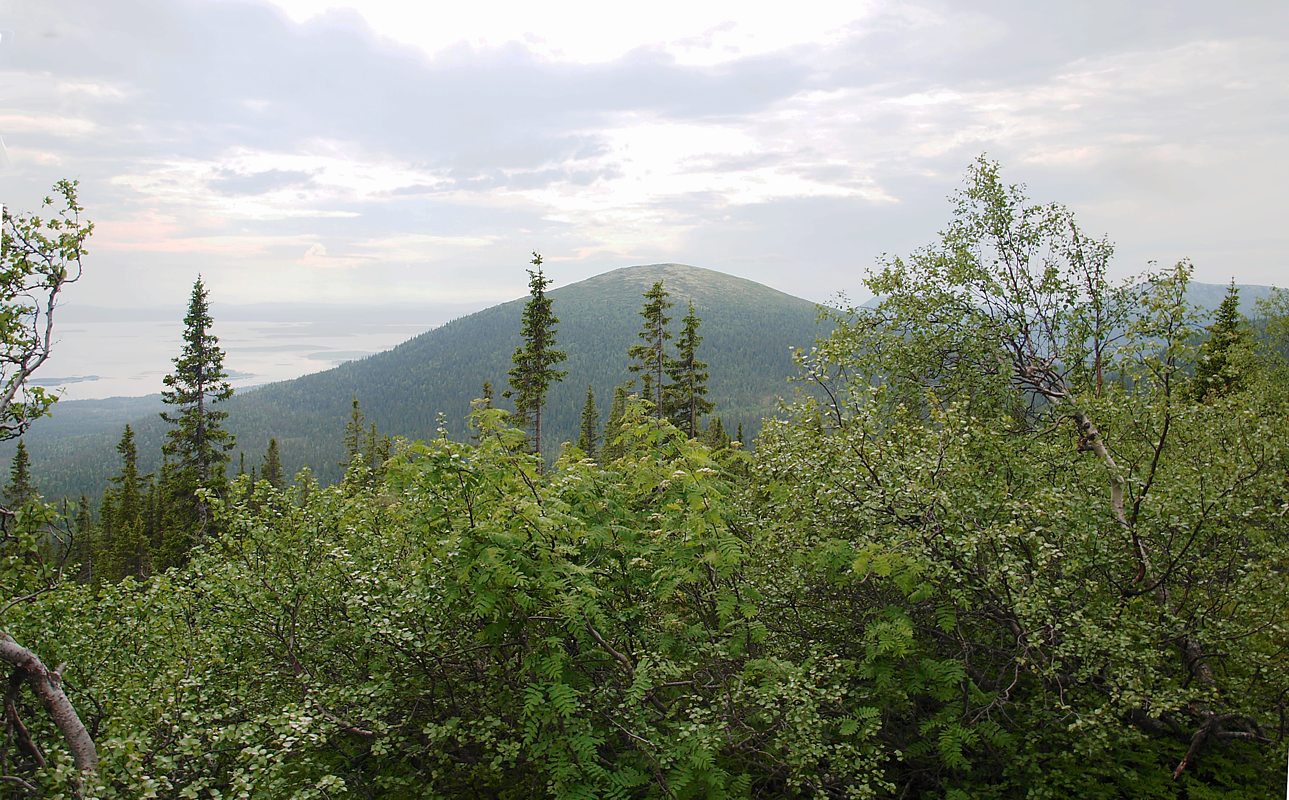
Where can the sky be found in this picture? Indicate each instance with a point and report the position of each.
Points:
(311, 151)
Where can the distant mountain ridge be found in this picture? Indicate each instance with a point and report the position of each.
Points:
(748, 329)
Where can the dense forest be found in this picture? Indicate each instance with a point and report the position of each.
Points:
(1025, 537)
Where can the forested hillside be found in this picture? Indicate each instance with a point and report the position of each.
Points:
(748, 333)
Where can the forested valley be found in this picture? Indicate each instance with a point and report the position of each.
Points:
(1016, 530)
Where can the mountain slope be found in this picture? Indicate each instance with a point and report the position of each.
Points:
(748, 331)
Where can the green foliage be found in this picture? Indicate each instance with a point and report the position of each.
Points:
(534, 360)
(1035, 545)
(39, 257)
(1005, 553)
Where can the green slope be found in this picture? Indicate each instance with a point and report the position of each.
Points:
(748, 329)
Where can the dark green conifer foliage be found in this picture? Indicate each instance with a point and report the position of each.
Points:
(272, 470)
(589, 436)
(715, 436)
(534, 360)
(650, 358)
(613, 449)
(487, 394)
(686, 395)
(20, 490)
(198, 444)
(160, 508)
(124, 517)
(354, 430)
(739, 436)
(82, 551)
(379, 448)
(1217, 370)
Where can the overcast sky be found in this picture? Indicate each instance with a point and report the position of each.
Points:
(309, 150)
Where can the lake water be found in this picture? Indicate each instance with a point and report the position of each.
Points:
(95, 357)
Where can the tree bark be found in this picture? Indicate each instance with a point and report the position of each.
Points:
(48, 686)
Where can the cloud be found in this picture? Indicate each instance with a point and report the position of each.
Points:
(290, 152)
(232, 182)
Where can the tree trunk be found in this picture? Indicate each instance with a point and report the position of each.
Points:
(48, 686)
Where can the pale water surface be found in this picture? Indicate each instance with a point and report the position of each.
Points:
(95, 358)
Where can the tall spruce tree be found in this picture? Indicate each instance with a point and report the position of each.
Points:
(589, 435)
(649, 358)
(197, 442)
(686, 396)
(20, 490)
(534, 361)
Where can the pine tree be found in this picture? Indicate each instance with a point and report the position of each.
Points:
(197, 442)
(650, 358)
(272, 470)
(535, 359)
(589, 435)
(686, 396)
(20, 489)
(612, 447)
(1217, 368)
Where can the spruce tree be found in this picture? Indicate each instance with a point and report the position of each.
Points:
(715, 436)
(354, 430)
(535, 359)
(613, 449)
(272, 470)
(589, 435)
(1217, 370)
(686, 396)
(82, 553)
(20, 489)
(650, 357)
(124, 516)
(197, 442)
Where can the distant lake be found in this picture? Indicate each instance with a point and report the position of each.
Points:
(100, 353)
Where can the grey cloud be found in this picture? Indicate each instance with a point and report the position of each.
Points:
(208, 74)
(231, 182)
(200, 79)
